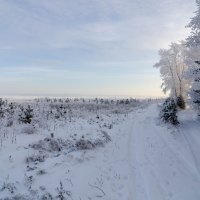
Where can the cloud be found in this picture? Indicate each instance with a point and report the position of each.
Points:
(98, 38)
(66, 24)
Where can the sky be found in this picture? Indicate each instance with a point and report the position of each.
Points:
(87, 47)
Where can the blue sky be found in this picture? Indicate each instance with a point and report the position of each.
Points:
(87, 47)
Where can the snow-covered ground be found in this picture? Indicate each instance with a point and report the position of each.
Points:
(99, 150)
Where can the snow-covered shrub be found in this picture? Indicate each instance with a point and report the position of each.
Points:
(106, 137)
(41, 172)
(35, 158)
(9, 187)
(9, 123)
(46, 196)
(180, 102)
(52, 145)
(10, 114)
(83, 144)
(99, 143)
(168, 112)
(2, 107)
(29, 181)
(63, 194)
(28, 129)
(26, 115)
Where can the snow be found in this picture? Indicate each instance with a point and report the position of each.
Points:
(164, 158)
(145, 159)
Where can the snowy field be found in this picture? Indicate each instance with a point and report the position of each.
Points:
(88, 149)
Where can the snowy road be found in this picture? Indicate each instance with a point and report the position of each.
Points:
(164, 162)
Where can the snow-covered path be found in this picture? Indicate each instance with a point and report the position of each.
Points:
(164, 162)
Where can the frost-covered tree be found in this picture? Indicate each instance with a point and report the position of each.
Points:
(193, 42)
(172, 65)
(193, 74)
(195, 89)
(194, 39)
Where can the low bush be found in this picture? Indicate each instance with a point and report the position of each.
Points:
(28, 129)
(51, 145)
(35, 158)
(168, 112)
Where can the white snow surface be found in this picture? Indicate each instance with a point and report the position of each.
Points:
(145, 159)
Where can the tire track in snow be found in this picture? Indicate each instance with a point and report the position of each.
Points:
(141, 168)
(153, 188)
(190, 140)
(137, 189)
